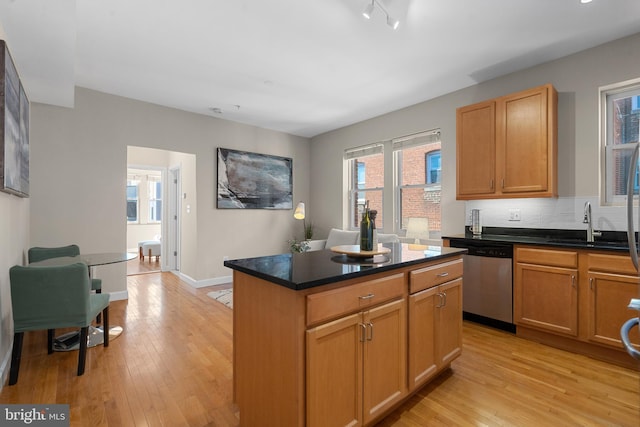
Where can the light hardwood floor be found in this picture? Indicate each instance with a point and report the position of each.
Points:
(148, 265)
(172, 367)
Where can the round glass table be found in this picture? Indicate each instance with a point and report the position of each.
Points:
(71, 340)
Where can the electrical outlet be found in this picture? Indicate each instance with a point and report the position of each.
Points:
(514, 214)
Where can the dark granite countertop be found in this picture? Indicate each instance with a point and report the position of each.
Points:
(307, 270)
(610, 240)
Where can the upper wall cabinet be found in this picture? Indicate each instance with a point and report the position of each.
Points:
(507, 147)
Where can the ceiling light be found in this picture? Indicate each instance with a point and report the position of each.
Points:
(585, 1)
(368, 10)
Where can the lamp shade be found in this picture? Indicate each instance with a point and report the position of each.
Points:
(299, 212)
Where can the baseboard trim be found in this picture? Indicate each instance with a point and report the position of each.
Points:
(203, 283)
(4, 366)
(119, 295)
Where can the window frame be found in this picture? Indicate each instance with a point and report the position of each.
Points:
(152, 182)
(356, 188)
(398, 145)
(608, 94)
(137, 200)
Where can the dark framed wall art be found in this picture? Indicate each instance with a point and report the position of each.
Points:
(14, 128)
(253, 181)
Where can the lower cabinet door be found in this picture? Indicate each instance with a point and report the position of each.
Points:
(609, 296)
(449, 323)
(334, 373)
(546, 298)
(385, 358)
(357, 366)
(422, 337)
(435, 330)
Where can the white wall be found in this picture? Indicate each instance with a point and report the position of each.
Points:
(78, 165)
(576, 78)
(14, 242)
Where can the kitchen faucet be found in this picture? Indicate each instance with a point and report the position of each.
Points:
(587, 220)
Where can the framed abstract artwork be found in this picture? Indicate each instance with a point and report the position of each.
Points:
(14, 128)
(253, 181)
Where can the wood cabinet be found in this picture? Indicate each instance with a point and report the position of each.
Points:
(476, 150)
(575, 299)
(356, 365)
(435, 320)
(546, 289)
(612, 284)
(338, 354)
(507, 147)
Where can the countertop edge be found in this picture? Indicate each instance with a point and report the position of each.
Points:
(560, 242)
(345, 276)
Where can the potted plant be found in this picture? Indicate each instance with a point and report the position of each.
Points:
(295, 246)
(308, 230)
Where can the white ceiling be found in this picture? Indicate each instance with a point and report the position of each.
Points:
(298, 66)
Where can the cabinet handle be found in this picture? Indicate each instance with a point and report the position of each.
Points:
(441, 303)
(445, 274)
(370, 336)
(573, 280)
(591, 283)
(363, 330)
(369, 296)
(445, 298)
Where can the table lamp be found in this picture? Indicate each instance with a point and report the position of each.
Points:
(299, 214)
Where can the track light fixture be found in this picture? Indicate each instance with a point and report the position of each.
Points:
(392, 22)
(368, 12)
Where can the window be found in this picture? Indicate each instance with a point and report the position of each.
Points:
(366, 182)
(144, 196)
(433, 168)
(621, 107)
(418, 191)
(155, 199)
(132, 200)
(413, 185)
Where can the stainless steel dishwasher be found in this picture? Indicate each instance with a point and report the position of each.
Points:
(487, 292)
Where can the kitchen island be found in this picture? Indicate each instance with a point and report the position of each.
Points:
(323, 339)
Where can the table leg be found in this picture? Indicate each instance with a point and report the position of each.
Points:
(71, 340)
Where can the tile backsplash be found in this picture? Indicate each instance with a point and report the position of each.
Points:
(561, 213)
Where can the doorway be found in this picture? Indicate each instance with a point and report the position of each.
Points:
(146, 190)
(177, 207)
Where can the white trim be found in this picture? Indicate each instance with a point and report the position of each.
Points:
(203, 283)
(605, 140)
(363, 151)
(416, 140)
(4, 367)
(119, 295)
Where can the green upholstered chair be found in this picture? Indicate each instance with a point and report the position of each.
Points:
(40, 254)
(54, 297)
